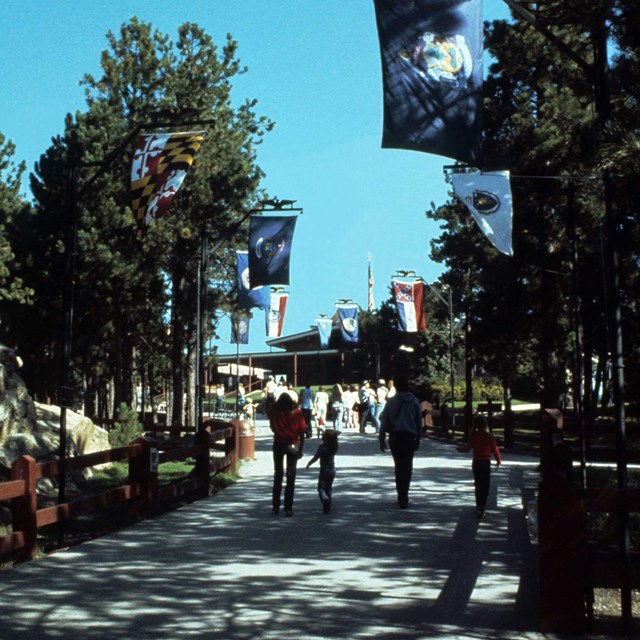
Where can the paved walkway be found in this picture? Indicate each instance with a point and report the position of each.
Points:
(228, 568)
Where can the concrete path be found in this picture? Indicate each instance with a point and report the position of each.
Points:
(228, 568)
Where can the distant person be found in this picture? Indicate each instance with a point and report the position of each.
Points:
(326, 453)
(483, 445)
(320, 406)
(269, 395)
(289, 428)
(306, 406)
(292, 392)
(249, 411)
(401, 418)
(381, 395)
(219, 397)
(241, 397)
(426, 409)
(337, 407)
(348, 398)
(367, 404)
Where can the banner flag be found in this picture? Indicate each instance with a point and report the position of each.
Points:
(249, 298)
(324, 331)
(240, 329)
(270, 249)
(275, 313)
(160, 164)
(488, 198)
(348, 316)
(432, 76)
(370, 303)
(410, 305)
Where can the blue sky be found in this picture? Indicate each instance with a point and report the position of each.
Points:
(314, 68)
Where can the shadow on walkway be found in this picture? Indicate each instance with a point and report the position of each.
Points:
(228, 568)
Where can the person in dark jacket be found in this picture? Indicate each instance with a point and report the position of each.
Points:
(401, 418)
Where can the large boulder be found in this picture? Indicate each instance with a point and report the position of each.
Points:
(29, 428)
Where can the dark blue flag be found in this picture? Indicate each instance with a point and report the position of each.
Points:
(240, 329)
(249, 298)
(432, 76)
(348, 316)
(270, 249)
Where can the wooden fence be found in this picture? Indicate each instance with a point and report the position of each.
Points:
(214, 449)
(571, 565)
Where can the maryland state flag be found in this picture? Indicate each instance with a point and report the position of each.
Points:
(160, 163)
(249, 298)
(240, 329)
(410, 305)
(488, 198)
(348, 317)
(432, 76)
(270, 240)
(275, 313)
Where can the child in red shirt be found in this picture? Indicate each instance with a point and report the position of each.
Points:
(484, 446)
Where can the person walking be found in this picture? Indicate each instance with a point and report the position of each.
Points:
(337, 407)
(402, 420)
(326, 453)
(320, 406)
(483, 445)
(381, 395)
(367, 406)
(289, 427)
(306, 406)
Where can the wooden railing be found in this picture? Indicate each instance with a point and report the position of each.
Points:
(570, 566)
(142, 492)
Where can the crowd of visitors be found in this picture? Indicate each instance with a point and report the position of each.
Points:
(393, 412)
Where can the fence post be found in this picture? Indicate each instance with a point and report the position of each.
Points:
(25, 508)
(562, 543)
(143, 471)
(235, 445)
(203, 460)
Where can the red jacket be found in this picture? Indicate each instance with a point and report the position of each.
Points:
(483, 445)
(288, 428)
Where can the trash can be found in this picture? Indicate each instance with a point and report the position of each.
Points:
(247, 443)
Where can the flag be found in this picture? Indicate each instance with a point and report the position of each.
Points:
(270, 248)
(488, 198)
(249, 298)
(274, 315)
(348, 317)
(370, 303)
(432, 76)
(240, 329)
(160, 163)
(324, 331)
(410, 306)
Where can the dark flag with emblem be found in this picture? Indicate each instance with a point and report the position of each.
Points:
(410, 305)
(249, 298)
(488, 198)
(324, 331)
(432, 76)
(275, 313)
(270, 249)
(160, 163)
(240, 329)
(348, 317)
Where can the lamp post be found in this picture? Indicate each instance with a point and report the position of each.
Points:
(449, 304)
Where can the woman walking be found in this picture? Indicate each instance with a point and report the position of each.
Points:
(289, 428)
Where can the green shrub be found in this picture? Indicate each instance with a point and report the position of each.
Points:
(127, 429)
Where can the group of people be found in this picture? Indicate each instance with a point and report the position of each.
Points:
(400, 419)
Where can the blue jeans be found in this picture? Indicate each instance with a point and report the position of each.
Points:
(365, 415)
(280, 452)
(376, 415)
(325, 484)
(337, 410)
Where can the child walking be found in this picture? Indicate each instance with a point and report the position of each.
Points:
(326, 454)
(484, 446)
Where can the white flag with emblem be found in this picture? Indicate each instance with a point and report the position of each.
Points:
(488, 197)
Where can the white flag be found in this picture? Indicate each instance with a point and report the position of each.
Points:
(488, 198)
